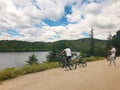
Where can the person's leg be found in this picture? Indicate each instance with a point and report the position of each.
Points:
(68, 62)
(65, 63)
(108, 57)
(114, 61)
(110, 60)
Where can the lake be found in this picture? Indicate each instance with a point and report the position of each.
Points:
(17, 59)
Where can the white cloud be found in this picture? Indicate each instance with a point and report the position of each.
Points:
(75, 16)
(23, 15)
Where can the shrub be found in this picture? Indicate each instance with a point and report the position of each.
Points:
(32, 60)
(9, 73)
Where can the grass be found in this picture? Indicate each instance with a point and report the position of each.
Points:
(10, 73)
(93, 58)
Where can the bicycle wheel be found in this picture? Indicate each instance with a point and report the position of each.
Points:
(72, 65)
(84, 64)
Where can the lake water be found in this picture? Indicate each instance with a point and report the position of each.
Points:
(17, 59)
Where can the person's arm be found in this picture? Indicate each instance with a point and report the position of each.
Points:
(62, 52)
(109, 51)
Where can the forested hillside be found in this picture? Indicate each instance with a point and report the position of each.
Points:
(82, 45)
(19, 46)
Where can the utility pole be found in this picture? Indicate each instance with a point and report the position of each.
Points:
(92, 42)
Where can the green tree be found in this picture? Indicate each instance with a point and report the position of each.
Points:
(57, 48)
(115, 41)
(32, 60)
(91, 51)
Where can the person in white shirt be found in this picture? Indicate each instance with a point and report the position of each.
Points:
(68, 53)
(113, 55)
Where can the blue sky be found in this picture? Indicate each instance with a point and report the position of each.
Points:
(53, 20)
(63, 20)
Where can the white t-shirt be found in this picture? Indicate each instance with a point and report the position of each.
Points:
(113, 51)
(68, 52)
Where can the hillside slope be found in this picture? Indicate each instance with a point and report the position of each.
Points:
(80, 45)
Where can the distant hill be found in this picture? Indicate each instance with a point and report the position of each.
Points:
(82, 45)
(21, 46)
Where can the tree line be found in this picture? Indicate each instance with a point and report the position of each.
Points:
(23, 46)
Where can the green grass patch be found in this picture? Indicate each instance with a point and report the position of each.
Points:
(10, 73)
(93, 58)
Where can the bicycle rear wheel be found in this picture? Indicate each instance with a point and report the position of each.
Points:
(72, 65)
(84, 64)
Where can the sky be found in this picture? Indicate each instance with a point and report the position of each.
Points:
(53, 20)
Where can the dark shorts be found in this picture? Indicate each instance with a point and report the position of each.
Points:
(68, 58)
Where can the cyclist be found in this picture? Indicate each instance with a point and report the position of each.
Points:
(68, 53)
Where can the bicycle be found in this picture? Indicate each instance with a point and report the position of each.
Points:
(71, 64)
(82, 62)
(79, 60)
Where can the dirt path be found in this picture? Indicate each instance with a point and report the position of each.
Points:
(97, 76)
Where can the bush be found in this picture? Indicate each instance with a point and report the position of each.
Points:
(9, 73)
(32, 60)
